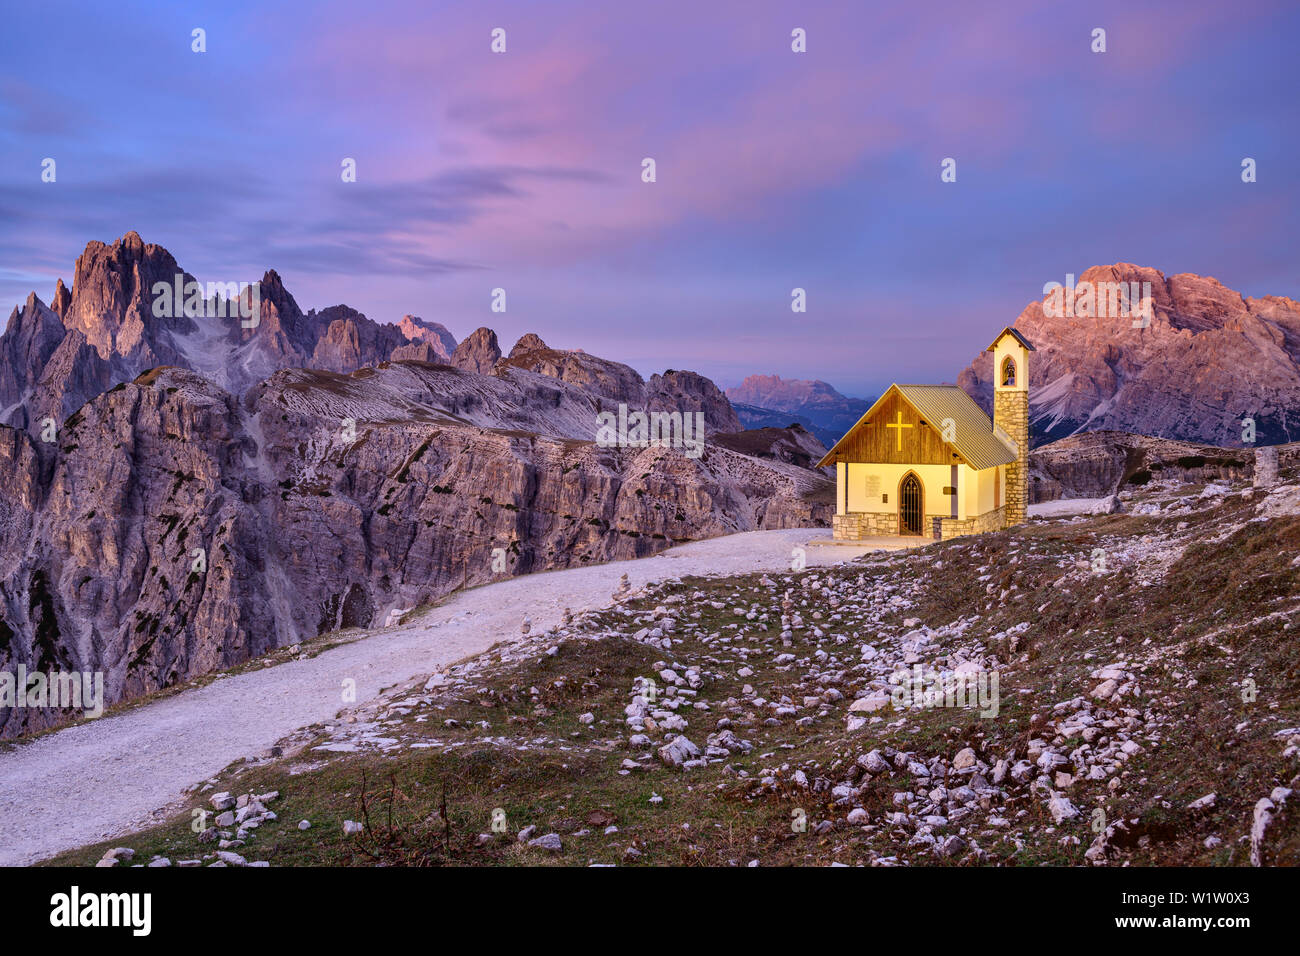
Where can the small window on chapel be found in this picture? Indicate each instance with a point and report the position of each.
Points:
(1008, 372)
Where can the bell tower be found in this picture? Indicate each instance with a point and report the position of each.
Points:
(1011, 414)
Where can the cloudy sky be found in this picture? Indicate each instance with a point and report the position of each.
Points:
(775, 169)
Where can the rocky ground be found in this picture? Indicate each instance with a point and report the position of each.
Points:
(1147, 712)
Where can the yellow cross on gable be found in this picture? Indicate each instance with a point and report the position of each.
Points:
(900, 426)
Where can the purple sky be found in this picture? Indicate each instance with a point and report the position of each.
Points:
(775, 169)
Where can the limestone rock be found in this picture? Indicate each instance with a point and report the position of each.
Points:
(1061, 808)
(1266, 466)
(677, 751)
(528, 343)
(870, 704)
(548, 841)
(385, 464)
(111, 327)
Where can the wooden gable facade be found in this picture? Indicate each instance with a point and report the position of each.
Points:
(896, 434)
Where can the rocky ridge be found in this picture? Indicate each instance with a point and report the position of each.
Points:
(185, 491)
(1097, 464)
(106, 330)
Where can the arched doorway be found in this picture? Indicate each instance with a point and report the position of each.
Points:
(911, 505)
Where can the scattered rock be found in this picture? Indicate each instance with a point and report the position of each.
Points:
(1061, 808)
(548, 841)
(678, 751)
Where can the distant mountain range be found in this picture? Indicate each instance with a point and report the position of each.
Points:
(768, 400)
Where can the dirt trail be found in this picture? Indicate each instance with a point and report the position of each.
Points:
(111, 775)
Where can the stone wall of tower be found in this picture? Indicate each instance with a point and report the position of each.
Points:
(1011, 414)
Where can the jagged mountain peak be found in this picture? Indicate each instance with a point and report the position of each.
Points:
(62, 298)
(1192, 367)
(111, 299)
(433, 335)
(131, 306)
(529, 342)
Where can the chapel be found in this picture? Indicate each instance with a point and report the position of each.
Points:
(926, 460)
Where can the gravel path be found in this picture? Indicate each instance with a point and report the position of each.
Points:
(103, 777)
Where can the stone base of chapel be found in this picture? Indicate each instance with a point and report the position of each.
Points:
(860, 525)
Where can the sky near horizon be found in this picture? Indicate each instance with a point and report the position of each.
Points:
(774, 169)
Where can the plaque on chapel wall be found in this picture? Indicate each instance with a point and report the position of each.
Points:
(873, 486)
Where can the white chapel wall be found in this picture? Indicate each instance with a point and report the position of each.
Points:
(934, 478)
